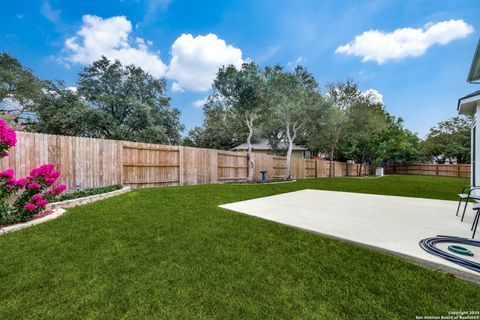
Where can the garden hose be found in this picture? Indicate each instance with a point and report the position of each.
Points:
(460, 250)
(429, 245)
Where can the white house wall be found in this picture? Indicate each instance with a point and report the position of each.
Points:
(476, 162)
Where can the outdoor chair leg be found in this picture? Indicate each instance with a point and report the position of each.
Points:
(465, 209)
(476, 224)
(474, 220)
(459, 203)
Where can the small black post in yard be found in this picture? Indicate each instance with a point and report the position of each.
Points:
(264, 176)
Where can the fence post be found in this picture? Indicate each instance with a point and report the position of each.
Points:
(180, 166)
(436, 170)
(120, 160)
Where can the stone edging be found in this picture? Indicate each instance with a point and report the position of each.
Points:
(59, 209)
(79, 201)
(55, 214)
(258, 183)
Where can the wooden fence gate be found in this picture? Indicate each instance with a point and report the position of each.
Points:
(310, 168)
(151, 166)
(279, 167)
(231, 167)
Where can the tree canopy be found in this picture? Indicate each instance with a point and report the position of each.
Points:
(62, 111)
(222, 128)
(130, 103)
(292, 96)
(20, 89)
(342, 122)
(449, 140)
(240, 95)
(246, 103)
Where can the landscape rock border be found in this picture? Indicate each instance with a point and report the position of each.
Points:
(14, 227)
(79, 201)
(257, 183)
(58, 209)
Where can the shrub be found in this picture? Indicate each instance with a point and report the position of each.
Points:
(23, 198)
(8, 138)
(87, 192)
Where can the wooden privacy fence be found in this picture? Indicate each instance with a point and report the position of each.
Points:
(87, 162)
(443, 170)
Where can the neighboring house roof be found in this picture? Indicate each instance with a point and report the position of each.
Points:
(263, 144)
(466, 105)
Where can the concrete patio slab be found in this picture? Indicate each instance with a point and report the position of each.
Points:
(388, 223)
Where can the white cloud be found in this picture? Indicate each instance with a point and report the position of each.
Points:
(195, 61)
(267, 53)
(379, 46)
(153, 8)
(49, 12)
(199, 103)
(292, 64)
(110, 37)
(373, 96)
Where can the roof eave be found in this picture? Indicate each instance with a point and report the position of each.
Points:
(467, 105)
(475, 62)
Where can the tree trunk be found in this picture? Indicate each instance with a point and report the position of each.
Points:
(250, 177)
(330, 169)
(362, 159)
(332, 152)
(288, 174)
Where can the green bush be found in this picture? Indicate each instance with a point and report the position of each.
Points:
(88, 192)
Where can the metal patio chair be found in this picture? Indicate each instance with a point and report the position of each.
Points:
(467, 196)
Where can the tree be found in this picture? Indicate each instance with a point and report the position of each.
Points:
(61, 111)
(131, 104)
(20, 90)
(321, 127)
(449, 140)
(223, 128)
(291, 95)
(242, 92)
(341, 96)
(366, 122)
(396, 144)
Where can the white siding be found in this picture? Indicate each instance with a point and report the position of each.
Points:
(476, 162)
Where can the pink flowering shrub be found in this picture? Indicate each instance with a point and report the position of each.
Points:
(26, 197)
(8, 138)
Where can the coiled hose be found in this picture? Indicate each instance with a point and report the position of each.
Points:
(428, 245)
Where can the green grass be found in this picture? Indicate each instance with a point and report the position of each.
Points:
(171, 253)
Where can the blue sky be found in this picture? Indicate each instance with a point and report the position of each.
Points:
(420, 71)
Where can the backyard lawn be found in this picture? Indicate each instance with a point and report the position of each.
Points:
(172, 253)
